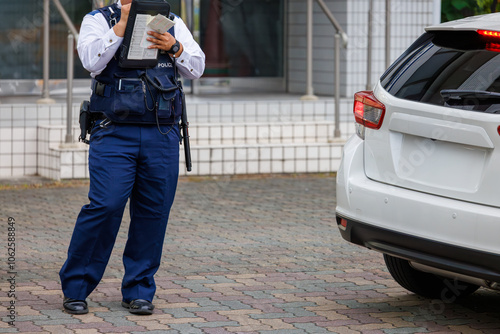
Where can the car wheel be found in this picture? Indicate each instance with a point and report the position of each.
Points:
(426, 284)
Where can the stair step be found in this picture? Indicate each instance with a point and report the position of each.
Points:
(264, 158)
(261, 133)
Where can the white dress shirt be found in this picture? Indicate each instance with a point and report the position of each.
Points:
(98, 43)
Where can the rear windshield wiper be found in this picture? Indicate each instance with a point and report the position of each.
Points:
(457, 94)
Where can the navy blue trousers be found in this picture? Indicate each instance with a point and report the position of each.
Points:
(125, 161)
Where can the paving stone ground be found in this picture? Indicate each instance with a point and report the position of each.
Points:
(242, 255)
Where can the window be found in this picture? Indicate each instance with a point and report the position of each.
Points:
(242, 38)
(446, 76)
(21, 39)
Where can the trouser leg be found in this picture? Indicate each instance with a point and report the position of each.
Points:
(150, 203)
(112, 166)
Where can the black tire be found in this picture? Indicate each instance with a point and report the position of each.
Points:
(426, 284)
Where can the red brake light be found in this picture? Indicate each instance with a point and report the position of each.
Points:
(368, 111)
(489, 33)
(492, 39)
(493, 46)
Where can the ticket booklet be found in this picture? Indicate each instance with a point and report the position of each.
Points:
(134, 52)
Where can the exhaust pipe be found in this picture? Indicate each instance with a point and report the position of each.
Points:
(460, 277)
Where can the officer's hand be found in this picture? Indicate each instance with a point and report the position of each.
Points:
(119, 28)
(162, 41)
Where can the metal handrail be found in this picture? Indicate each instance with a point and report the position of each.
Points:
(72, 36)
(340, 34)
(334, 21)
(66, 19)
(46, 23)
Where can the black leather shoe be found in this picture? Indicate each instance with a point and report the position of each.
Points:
(75, 306)
(139, 306)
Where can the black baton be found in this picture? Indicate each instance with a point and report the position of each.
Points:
(185, 134)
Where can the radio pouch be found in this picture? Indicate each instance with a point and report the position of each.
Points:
(167, 92)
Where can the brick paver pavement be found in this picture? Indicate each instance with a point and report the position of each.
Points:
(255, 255)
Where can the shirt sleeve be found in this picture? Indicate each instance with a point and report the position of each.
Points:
(97, 43)
(191, 62)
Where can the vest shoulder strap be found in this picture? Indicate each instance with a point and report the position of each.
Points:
(111, 13)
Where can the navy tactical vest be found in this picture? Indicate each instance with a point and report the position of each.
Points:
(141, 96)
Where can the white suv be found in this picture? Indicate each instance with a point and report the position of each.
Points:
(420, 182)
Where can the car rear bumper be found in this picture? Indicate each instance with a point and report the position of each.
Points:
(431, 253)
(442, 232)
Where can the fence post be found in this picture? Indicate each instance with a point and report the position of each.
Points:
(336, 133)
(46, 53)
(69, 96)
(309, 75)
(387, 33)
(369, 48)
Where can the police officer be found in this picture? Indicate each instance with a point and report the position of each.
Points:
(134, 153)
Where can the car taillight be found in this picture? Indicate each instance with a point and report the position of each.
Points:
(368, 111)
(492, 39)
(489, 33)
(495, 47)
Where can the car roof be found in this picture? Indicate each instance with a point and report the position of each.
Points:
(471, 23)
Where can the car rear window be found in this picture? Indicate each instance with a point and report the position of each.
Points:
(459, 73)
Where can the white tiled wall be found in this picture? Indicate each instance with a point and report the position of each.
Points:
(19, 136)
(231, 138)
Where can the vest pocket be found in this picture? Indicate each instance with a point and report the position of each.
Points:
(129, 97)
(167, 92)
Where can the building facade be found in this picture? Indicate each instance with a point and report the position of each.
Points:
(251, 45)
